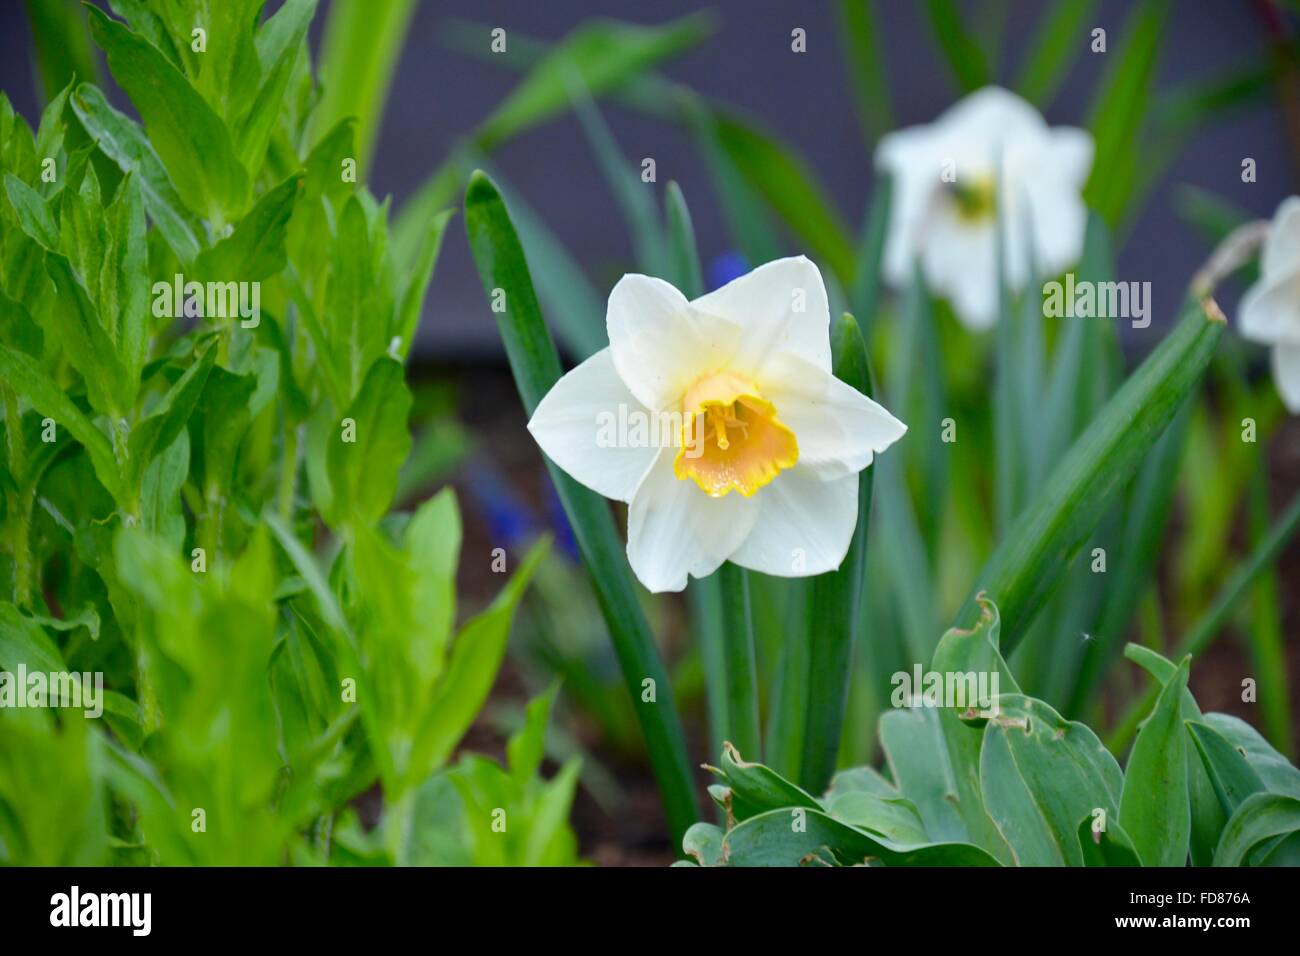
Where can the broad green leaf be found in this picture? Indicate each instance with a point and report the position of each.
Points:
(363, 471)
(1208, 816)
(154, 434)
(432, 543)
(703, 843)
(920, 765)
(1050, 530)
(187, 134)
(536, 368)
(527, 746)
(799, 836)
(1155, 809)
(122, 141)
(221, 418)
(476, 656)
(1277, 773)
(278, 44)
(23, 641)
(50, 400)
(756, 788)
(417, 282)
(1040, 775)
(1260, 817)
(1233, 777)
(891, 817)
(1108, 846)
(255, 250)
(33, 213)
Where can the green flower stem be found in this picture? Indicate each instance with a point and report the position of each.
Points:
(833, 601)
(739, 667)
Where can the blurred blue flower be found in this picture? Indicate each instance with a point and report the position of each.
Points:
(730, 265)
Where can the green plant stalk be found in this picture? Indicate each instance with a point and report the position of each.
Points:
(1216, 617)
(1049, 532)
(536, 367)
(1264, 633)
(288, 471)
(834, 598)
(739, 665)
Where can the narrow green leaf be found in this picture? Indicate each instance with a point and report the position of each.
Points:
(362, 44)
(1120, 107)
(1049, 531)
(781, 178)
(965, 58)
(860, 41)
(536, 368)
(683, 254)
(1056, 43)
(62, 45)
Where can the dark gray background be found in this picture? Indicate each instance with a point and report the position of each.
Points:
(439, 94)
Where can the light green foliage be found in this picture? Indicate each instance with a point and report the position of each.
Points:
(1052, 792)
(258, 675)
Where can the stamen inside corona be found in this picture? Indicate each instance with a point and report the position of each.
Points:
(731, 437)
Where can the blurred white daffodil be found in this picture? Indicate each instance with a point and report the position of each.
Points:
(758, 460)
(1270, 309)
(946, 178)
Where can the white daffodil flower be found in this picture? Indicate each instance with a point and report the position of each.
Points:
(946, 177)
(1270, 309)
(719, 422)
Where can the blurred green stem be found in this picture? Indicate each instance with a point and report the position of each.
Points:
(741, 682)
(1216, 618)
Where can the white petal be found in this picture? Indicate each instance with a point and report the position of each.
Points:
(838, 429)
(675, 529)
(764, 303)
(960, 263)
(1282, 248)
(804, 526)
(992, 114)
(1270, 310)
(914, 163)
(572, 424)
(660, 343)
(1286, 375)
